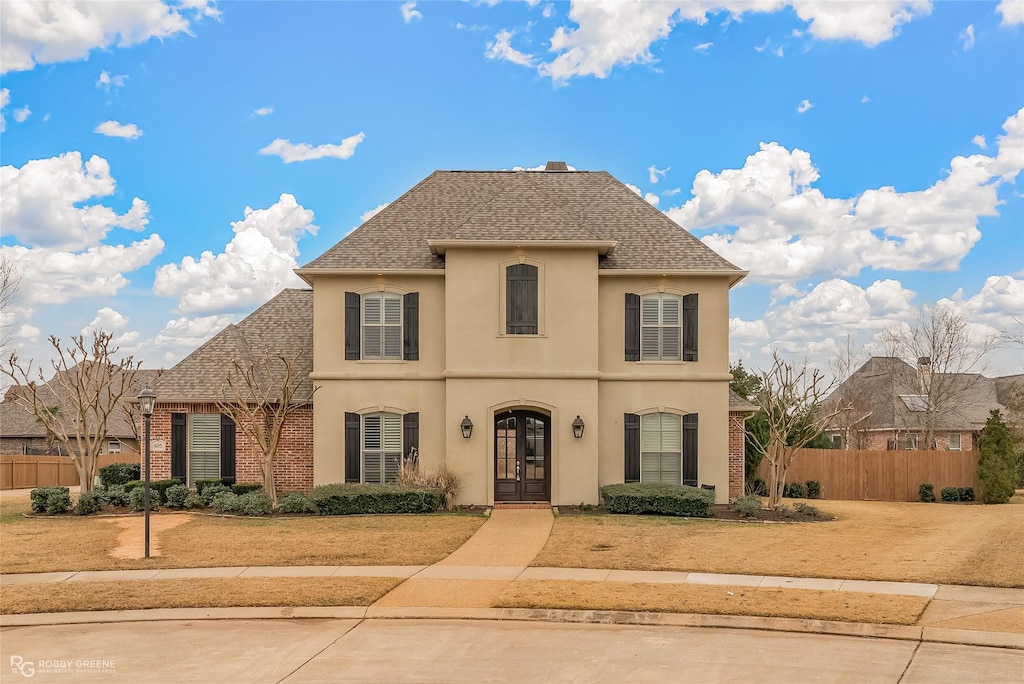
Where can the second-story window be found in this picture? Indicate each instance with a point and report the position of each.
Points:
(382, 326)
(521, 300)
(660, 327)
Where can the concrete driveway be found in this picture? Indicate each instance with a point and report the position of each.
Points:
(333, 650)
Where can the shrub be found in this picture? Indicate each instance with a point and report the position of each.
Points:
(926, 493)
(794, 490)
(256, 504)
(161, 487)
(119, 473)
(132, 484)
(347, 499)
(177, 495)
(954, 494)
(760, 487)
(137, 499)
(801, 511)
(201, 485)
(225, 501)
(246, 487)
(297, 503)
(813, 489)
(90, 502)
(748, 505)
(193, 501)
(116, 496)
(52, 500)
(664, 499)
(443, 477)
(210, 491)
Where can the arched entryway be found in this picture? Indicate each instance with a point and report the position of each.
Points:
(522, 456)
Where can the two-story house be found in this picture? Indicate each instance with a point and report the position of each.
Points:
(544, 333)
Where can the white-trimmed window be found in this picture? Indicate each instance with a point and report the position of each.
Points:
(382, 325)
(113, 447)
(382, 447)
(912, 441)
(661, 447)
(955, 441)
(660, 327)
(837, 441)
(203, 446)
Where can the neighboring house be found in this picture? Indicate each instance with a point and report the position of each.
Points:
(889, 402)
(544, 333)
(22, 433)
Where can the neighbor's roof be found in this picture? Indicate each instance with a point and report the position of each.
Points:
(738, 403)
(887, 393)
(585, 206)
(284, 325)
(17, 421)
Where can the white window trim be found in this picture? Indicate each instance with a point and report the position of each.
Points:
(190, 446)
(960, 441)
(906, 443)
(661, 297)
(114, 446)
(382, 295)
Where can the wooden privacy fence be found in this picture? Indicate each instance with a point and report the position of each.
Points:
(881, 475)
(25, 472)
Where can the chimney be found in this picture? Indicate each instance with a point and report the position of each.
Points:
(556, 166)
(924, 373)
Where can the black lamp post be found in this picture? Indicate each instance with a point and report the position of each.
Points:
(467, 427)
(147, 400)
(577, 427)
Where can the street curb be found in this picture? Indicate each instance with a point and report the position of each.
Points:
(767, 624)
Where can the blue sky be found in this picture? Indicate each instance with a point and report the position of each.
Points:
(166, 165)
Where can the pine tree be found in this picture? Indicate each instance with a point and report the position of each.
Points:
(996, 464)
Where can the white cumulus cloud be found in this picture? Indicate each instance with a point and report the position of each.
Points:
(770, 214)
(655, 174)
(48, 31)
(254, 266)
(114, 129)
(5, 99)
(370, 213)
(292, 152)
(43, 203)
(107, 81)
(980, 141)
(804, 106)
(501, 48)
(967, 38)
(409, 12)
(1012, 11)
(263, 111)
(22, 113)
(113, 322)
(181, 336)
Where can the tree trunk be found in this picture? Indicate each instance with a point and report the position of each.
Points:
(268, 481)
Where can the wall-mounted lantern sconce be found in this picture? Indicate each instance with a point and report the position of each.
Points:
(577, 427)
(467, 427)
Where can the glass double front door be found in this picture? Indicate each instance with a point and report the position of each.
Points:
(522, 456)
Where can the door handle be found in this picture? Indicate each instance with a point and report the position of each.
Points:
(517, 471)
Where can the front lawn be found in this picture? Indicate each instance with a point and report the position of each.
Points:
(907, 542)
(85, 543)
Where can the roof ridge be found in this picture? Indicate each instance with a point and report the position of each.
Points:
(479, 206)
(560, 208)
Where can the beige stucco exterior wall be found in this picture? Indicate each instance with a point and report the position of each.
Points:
(573, 366)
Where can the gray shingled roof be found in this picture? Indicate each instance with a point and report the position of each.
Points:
(738, 403)
(17, 421)
(886, 388)
(520, 205)
(284, 325)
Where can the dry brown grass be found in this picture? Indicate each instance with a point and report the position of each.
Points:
(85, 543)
(907, 542)
(194, 593)
(713, 600)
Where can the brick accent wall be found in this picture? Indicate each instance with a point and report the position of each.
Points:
(877, 441)
(736, 453)
(293, 465)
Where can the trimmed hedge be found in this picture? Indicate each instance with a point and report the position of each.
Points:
(246, 487)
(132, 484)
(794, 490)
(952, 494)
(926, 493)
(161, 487)
(119, 473)
(116, 496)
(206, 482)
(297, 503)
(813, 489)
(90, 502)
(637, 498)
(210, 491)
(52, 500)
(349, 499)
(137, 498)
(176, 496)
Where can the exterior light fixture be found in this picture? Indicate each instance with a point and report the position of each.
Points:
(147, 400)
(577, 427)
(467, 427)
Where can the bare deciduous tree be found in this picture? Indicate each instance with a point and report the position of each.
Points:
(850, 423)
(10, 285)
(791, 400)
(76, 405)
(950, 360)
(260, 396)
